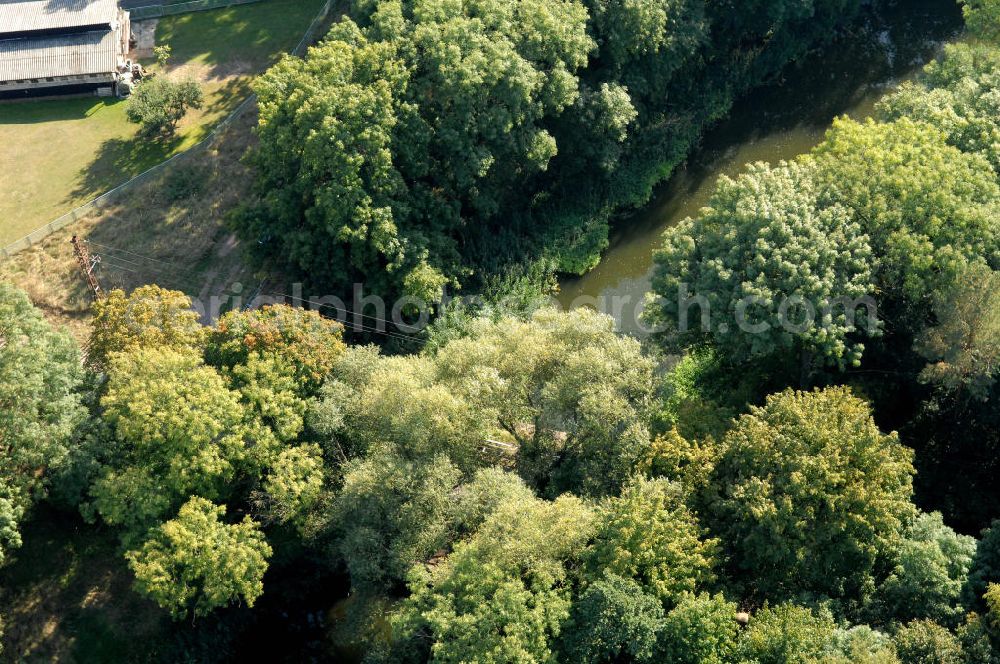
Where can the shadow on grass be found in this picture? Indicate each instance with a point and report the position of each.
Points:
(225, 98)
(240, 39)
(118, 160)
(53, 110)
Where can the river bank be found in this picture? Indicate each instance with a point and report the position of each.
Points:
(774, 123)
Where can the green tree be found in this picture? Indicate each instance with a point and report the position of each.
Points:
(931, 569)
(178, 431)
(475, 501)
(158, 104)
(813, 498)
(294, 485)
(41, 386)
(956, 95)
(964, 346)
(768, 254)
(196, 563)
(786, 634)
(701, 629)
(392, 513)
(926, 642)
(502, 595)
(572, 395)
(11, 512)
(985, 568)
(860, 645)
(387, 137)
(308, 342)
(562, 389)
(613, 620)
(926, 207)
(982, 18)
(148, 317)
(402, 401)
(270, 394)
(648, 535)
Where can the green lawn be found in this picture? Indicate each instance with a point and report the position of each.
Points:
(58, 154)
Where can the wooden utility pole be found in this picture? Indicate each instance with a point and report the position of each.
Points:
(87, 264)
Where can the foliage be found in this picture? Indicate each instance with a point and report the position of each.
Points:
(162, 54)
(562, 388)
(964, 346)
(648, 535)
(926, 207)
(785, 634)
(572, 395)
(931, 569)
(985, 568)
(401, 400)
(688, 463)
(11, 512)
(701, 629)
(178, 432)
(390, 193)
(295, 483)
(773, 267)
(860, 645)
(41, 382)
(992, 598)
(158, 104)
(476, 500)
(425, 141)
(196, 563)
(812, 496)
(393, 513)
(502, 595)
(982, 18)
(956, 95)
(270, 394)
(310, 343)
(925, 642)
(147, 317)
(614, 619)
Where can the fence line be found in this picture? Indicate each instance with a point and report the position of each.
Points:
(159, 11)
(106, 198)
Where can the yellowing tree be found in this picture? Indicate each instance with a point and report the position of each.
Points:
(196, 562)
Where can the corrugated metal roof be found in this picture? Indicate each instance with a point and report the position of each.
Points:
(89, 53)
(30, 15)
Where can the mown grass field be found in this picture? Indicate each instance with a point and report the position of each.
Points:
(57, 154)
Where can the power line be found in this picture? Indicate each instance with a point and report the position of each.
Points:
(137, 255)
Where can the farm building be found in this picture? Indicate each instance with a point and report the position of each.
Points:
(51, 47)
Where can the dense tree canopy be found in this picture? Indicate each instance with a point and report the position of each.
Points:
(530, 485)
(564, 390)
(178, 429)
(426, 140)
(41, 381)
(767, 256)
(503, 595)
(648, 535)
(813, 498)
